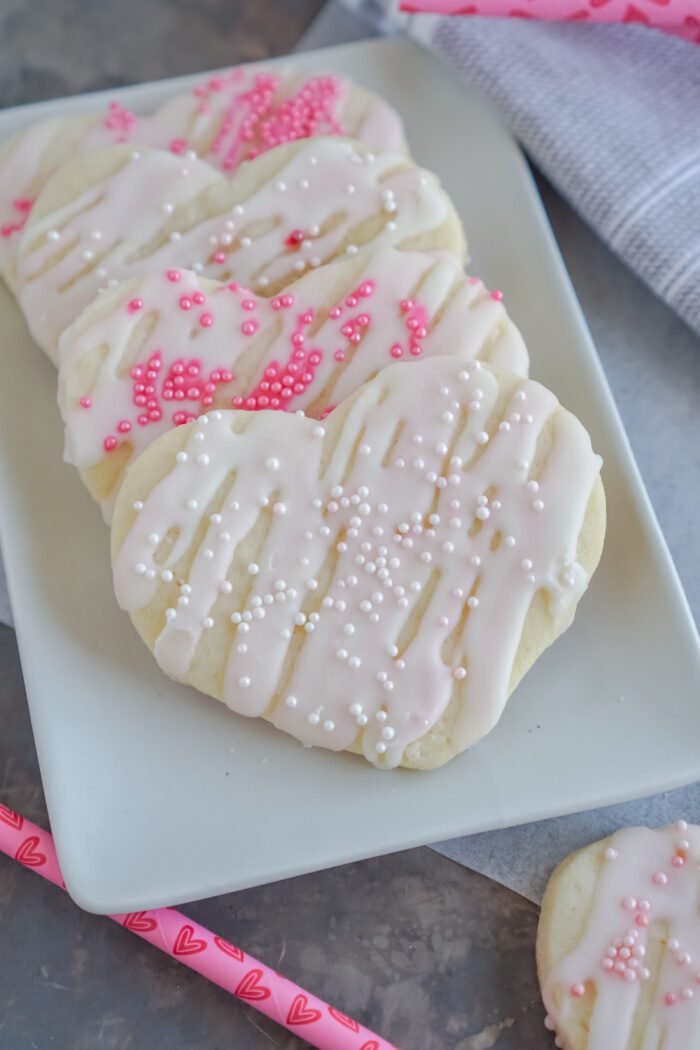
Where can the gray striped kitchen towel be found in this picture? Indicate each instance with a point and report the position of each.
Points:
(610, 114)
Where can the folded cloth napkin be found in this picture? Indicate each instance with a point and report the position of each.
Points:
(608, 113)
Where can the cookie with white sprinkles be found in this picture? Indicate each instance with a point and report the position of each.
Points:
(118, 213)
(618, 945)
(156, 352)
(378, 581)
(230, 117)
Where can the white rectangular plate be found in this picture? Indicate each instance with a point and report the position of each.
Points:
(158, 795)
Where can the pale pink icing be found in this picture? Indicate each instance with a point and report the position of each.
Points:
(419, 523)
(324, 189)
(228, 118)
(647, 879)
(373, 322)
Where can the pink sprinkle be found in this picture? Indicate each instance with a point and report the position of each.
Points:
(335, 312)
(134, 305)
(249, 327)
(416, 350)
(173, 276)
(124, 426)
(178, 146)
(219, 257)
(660, 878)
(498, 296)
(185, 302)
(678, 862)
(642, 920)
(339, 355)
(406, 305)
(366, 289)
(85, 402)
(248, 304)
(578, 989)
(669, 999)
(287, 300)
(109, 444)
(397, 350)
(199, 298)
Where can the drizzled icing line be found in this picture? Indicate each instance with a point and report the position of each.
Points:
(171, 346)
(230, 117)
(633, 978)
(145, 211)
(361, 579)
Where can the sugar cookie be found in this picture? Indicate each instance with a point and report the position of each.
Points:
(618, 946)
(230, 117)
(158, 351)
(118, 213)
(377, 582)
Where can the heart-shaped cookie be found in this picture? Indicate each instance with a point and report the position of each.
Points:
(377, 582)
(230, 117)
(118, 213)
(618, 942)
(140, 360)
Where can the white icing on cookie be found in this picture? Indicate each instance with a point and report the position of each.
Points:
(147, 211)
(648, 887)
(172, 345)
(401, 544)
(228, 118)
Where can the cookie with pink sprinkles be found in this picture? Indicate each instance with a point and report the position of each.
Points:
(230, 117)
(119, 213)
(158, 351)
(618, 945)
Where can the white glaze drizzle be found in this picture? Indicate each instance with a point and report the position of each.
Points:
(326, 187)
(210, 119)
(648, 880)
(398, 557)
(460, 317)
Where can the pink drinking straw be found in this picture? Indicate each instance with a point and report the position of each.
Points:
(681, 17)
(211, 956)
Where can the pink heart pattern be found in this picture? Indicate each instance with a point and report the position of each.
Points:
(674, 16)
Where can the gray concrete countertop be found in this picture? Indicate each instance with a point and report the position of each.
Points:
(431, 955)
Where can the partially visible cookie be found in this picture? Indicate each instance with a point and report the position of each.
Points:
(618, 945)
(157, 351)
(378, 582)
(118, 213)
(230, 117)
